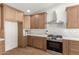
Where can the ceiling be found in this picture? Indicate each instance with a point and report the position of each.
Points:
(33, 7)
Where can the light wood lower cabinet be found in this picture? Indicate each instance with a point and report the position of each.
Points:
(2, 47)
(12, 14)
(65, 47)
(70, 47)
(30, 40)
(74, 47)
(37, 42)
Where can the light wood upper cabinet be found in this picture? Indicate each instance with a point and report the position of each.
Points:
(19, 16)
(26, 22)
(73, 17)
(33, 24)
(42, 21)
(12, 14)
(38, 21)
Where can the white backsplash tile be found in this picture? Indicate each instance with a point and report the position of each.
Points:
(38, 31)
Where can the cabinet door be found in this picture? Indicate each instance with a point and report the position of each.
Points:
(19, 16)
(78, 18)
(0, 17)
(70, 47)
(1, 23)
(20, 35)
(38, 42)
(10, 13)
(65, 47)
(2, 47)
(26, 22)
(72, 17)
(37, 21)
(32, 22)
(29, 40)
(25, 41)
(73, 47)
(42, 21)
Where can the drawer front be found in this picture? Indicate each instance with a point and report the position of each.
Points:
(74, 43)
(74, 52)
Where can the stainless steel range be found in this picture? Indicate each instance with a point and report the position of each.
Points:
(54, 43)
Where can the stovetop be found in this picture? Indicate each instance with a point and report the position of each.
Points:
(57, 38)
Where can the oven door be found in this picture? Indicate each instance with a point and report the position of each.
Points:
(54, 46)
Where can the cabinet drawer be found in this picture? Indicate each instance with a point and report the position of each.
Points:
(74, 43)
(74, 52)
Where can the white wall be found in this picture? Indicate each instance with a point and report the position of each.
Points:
(61, 15)
(11, 35)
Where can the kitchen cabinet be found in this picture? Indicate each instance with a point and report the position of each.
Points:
(0, 17)
(70, 47)
(42, 21)
(30, 40)
(21, 40)
(8, 13)
(65, 47)
(73, 17)
(1, 22)
(2, 47)
(37, 42)
(12, 14)
(38, 21)
(19, 16)
(33, 23)
(73, 47)
(24, 41)
(26, 22)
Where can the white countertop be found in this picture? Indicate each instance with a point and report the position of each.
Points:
(37, 35)
(70, 38)
(1, 39)
(64, 38)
